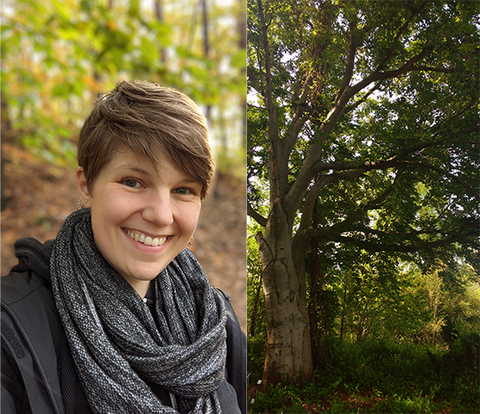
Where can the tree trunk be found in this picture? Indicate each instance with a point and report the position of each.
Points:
(206, 43)
(288, 353)
(159, 15)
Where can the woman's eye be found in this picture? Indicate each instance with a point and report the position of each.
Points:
(132, 183)
(183, 191)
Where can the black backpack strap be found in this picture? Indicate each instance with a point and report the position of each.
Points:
(236, 354)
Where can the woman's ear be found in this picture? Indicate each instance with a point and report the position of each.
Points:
(83, 188)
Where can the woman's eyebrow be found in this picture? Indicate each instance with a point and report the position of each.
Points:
(189, 180)
(132, 168)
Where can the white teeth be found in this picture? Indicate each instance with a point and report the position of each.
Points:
(147, 240)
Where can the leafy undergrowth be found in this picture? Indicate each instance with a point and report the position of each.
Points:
(289, 399)
(382, 377)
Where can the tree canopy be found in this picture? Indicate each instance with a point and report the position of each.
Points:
(363, 126)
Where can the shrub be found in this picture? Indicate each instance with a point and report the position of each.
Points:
(282, 398)
(256, 358)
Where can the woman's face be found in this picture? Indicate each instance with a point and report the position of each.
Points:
(141, 218)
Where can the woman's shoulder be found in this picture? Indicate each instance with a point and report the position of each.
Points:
(30, 323)
(26, 291)
(28, 301)
(31, 333)
(233, 325)
(33, 255)
(31, 273)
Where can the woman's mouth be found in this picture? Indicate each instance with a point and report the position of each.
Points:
(146, 240)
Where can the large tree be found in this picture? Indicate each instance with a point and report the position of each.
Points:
(363, 124)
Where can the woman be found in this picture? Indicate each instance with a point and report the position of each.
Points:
(116, 315)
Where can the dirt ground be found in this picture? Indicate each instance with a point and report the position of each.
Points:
(40, 196)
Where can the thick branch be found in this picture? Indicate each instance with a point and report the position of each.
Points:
(407, 248)
(350, 64)
(432, 69)
(311, 165)
(351, 170)
(308, 207)
(274, 172)
(299, 118)
(268, 65)
(357, 171)
(256, 216)
(376, 76)
(394, 160)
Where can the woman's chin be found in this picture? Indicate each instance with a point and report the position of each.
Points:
(141, 273)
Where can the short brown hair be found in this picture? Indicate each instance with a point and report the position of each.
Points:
(147, 118)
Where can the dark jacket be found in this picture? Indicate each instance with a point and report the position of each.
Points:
(38, 374)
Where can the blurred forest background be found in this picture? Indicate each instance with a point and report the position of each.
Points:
(57, 56)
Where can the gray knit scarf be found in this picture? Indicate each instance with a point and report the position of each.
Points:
(116, 343)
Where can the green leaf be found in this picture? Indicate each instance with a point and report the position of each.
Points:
(134, 9)
(150, 53)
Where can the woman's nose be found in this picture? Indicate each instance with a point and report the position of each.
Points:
(159, 209)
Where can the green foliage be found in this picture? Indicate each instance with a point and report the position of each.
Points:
(280, 399)
(383, 365)
(255, 358)
(57, 56)
(419, 349)
(385, 377)
(382, 296)
(255, 297)
(426, 119)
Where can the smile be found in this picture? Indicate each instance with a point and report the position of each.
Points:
(147, 240)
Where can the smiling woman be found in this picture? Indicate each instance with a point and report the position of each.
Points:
(116, 315)
(142, 217)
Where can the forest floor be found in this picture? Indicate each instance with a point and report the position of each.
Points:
(41, 195)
